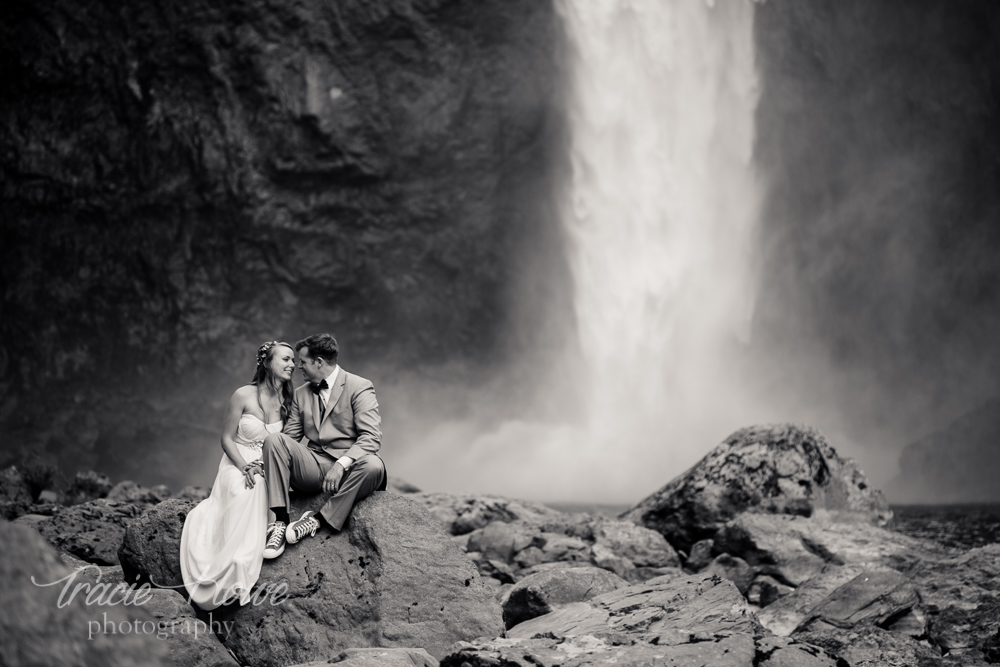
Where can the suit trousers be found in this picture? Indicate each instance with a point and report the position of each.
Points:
(289, 465)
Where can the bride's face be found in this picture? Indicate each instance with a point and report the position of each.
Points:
(283, 363)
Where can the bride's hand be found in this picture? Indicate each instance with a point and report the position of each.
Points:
(249, 471)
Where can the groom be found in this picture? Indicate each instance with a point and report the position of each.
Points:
(337, 413)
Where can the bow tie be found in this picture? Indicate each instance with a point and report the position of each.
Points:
(319, 387)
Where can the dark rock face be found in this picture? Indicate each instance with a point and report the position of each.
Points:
(88, 485)
(150, 549)
(783, 469)
(92, 531)
(391, 578)
(36, 630)
(15, 495)
(182, 181)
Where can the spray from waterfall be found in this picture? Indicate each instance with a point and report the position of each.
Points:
(660, 214)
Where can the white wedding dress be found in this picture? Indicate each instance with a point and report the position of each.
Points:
(222, 544)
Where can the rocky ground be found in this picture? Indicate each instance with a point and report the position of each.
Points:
(771, 551)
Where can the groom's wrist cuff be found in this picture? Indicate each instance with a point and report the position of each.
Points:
(345, 461)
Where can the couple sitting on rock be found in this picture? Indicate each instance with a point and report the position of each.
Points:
(227, 536)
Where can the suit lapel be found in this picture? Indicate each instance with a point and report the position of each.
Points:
(336, 392)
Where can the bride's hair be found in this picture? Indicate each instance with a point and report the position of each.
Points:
(263, 375)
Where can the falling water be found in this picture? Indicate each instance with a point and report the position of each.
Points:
(661, 212)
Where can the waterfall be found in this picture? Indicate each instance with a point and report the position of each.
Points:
(660, 214)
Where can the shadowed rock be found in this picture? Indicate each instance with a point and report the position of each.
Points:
(35, 630)
(782, 469)
(543, 592)
(150, 550)
(378, 657)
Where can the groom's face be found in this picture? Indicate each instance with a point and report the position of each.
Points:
(314, 370)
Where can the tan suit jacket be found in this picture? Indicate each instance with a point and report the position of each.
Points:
(351, 425)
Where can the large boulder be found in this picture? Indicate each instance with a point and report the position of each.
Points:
(150, 549)
(92, 531)
(42, 624)
(545, 591)
(391, 578)
(780, 469)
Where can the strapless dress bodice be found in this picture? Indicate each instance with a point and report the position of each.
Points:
(251, 431)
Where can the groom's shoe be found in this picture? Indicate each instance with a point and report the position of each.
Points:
(306, 526)
(275, 540)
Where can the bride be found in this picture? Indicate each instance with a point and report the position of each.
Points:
(222, 544)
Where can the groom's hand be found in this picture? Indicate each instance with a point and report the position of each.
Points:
(333, 477)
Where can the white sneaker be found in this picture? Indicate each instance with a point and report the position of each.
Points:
(306, 526)
(275, 540)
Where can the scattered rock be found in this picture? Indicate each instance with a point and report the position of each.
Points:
(462, 514)
(36, 630)
(397, 485)
(765, 590)
(379, 657)
(642, 546)
(391, 578)
(150, 549)
(92, 531)
(700, 556)
(130, 492)
(543, 592)
(501, 540)
(734, 569)
(869, 646)
(781, 469)
(871, 598)
(195, 493)
(87, 486)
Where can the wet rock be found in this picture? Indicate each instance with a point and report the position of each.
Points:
(92, 531)
(37, 629)
(88, 485)
(790, 611)
(794, 549)
(781, 469)
(392, 578)
(734, 569)
(872, 598)
(669, 609)
(150, 549)
(543, 592)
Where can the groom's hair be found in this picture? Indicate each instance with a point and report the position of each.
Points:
(320, 345)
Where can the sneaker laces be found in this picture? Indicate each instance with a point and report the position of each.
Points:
(275, 535)
(309, 525)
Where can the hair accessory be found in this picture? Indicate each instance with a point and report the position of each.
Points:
(262, 351)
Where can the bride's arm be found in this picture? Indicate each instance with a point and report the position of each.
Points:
(234, 410)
